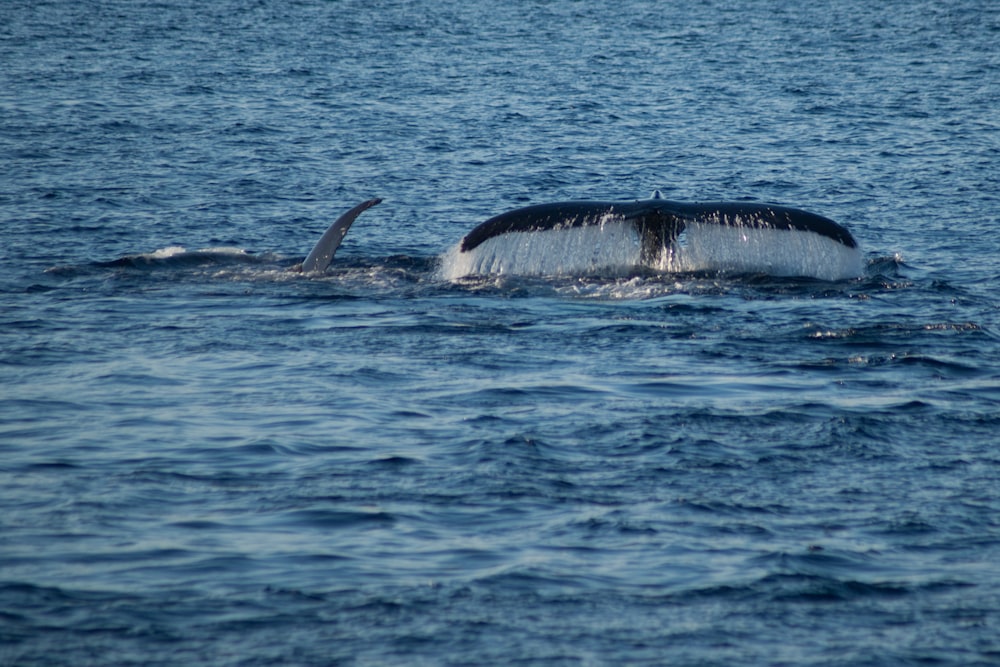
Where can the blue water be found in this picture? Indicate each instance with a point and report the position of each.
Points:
(208, 460)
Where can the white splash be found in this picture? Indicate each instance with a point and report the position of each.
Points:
(180, 251)
(166, 253)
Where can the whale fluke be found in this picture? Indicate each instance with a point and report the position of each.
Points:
(322, 254)
(656, 219)
(593, 235)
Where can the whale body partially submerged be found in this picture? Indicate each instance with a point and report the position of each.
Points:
(606, 237)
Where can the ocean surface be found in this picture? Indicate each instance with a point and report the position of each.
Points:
(207, 459)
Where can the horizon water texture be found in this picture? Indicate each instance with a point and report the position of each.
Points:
(207, 459)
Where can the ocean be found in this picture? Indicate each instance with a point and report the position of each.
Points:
(208, 459)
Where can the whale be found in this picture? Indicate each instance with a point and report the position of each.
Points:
(660, 234)
(603, 237)
(321, 256)
(316, 262)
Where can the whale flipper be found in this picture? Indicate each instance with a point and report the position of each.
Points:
(322, 253)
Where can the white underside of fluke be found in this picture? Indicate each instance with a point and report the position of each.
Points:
(787, 253)
(571, 251)
(615, 247)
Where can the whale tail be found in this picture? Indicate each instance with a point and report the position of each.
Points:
(322, 253)
(581, 236)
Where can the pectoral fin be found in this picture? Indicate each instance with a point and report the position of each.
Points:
(322, 254)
